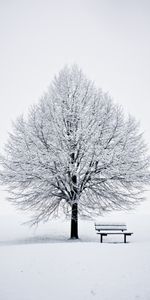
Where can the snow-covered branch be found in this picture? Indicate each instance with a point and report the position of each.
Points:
(76, 146)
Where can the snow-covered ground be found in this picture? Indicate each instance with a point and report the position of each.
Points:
(43, 264)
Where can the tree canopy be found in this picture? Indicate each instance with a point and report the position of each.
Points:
(75, 152)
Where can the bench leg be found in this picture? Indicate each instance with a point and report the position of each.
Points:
(124, 238)
(101, 238)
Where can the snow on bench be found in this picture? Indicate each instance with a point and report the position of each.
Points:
(103, 229)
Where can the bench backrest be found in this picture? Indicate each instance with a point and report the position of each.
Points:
(110, 226)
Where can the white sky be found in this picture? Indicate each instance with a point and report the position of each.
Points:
(108, 39)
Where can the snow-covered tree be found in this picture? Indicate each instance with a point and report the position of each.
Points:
(76, 152)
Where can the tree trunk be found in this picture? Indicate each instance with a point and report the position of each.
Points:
(74, 212)
(74, 221)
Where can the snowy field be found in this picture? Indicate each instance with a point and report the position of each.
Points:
(42, 263)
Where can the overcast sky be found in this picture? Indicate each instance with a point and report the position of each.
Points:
(108, 39)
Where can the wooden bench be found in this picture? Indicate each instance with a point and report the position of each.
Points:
(103, 229)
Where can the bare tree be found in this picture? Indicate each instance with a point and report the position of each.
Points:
(74, 152)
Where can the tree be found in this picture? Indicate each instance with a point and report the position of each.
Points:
(75, 152)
